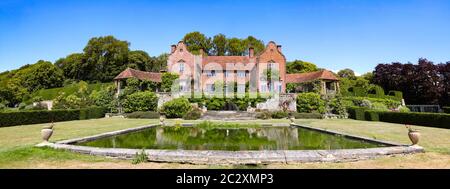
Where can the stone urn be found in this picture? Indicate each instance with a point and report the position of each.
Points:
(414, 135)
(47, 132)
(162, 118)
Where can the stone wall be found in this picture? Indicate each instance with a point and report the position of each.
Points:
(163, 98)
(279, 102)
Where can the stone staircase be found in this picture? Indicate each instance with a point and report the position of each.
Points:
(228, 115)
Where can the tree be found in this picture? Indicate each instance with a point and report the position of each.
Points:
(42, 75)
(444, 72)
(220, 45)
(196, 41)
(158, 63)
(420, 83)
(298, 66)
(258, 45)
(73, 66)
(167, 81)
(347, 73)
(139, 60)
(105, 57)
(236, 47)
(13, 92)
(368, 76)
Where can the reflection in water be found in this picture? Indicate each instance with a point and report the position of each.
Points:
(263, 138)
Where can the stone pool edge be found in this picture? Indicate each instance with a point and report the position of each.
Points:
(238, 157)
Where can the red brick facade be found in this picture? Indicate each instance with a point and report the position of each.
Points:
(209, 70)
(226, 69)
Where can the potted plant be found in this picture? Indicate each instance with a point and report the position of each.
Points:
(414, 135)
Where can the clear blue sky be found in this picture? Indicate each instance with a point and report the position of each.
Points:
(334, 34)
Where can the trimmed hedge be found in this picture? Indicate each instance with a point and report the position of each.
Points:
(439, 120)
(143, 115)
(307, 115)
(45, 116)
(372, 115)
(416, 118)
(357, 113)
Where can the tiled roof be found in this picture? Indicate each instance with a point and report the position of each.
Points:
(132, 73)
(305, 77)
(225, 60)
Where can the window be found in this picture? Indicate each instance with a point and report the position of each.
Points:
(210, 88)
(241, 74)
(241, 88)
(211, 73)
(263, 88)
(181, 67)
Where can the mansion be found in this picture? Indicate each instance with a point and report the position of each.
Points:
(203, 73)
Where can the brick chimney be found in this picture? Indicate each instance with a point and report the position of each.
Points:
(173, 48)
(251, 52)
(279, 48)
(202, 52)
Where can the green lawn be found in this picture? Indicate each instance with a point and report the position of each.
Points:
(17, 151)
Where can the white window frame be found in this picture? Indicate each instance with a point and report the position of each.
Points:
(241, 74)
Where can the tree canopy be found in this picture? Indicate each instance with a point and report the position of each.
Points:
(220, 45)
(422, 83)
(298, 66)
(347, 73)
(105, 57)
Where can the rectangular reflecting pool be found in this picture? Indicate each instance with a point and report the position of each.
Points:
(230, 139)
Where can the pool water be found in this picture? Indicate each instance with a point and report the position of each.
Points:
(231, 139)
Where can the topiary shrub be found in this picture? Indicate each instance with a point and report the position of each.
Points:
(140, 101)
(310, 102)
(357, 113)
(143, 115)
(194, 114)
(176, 108)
